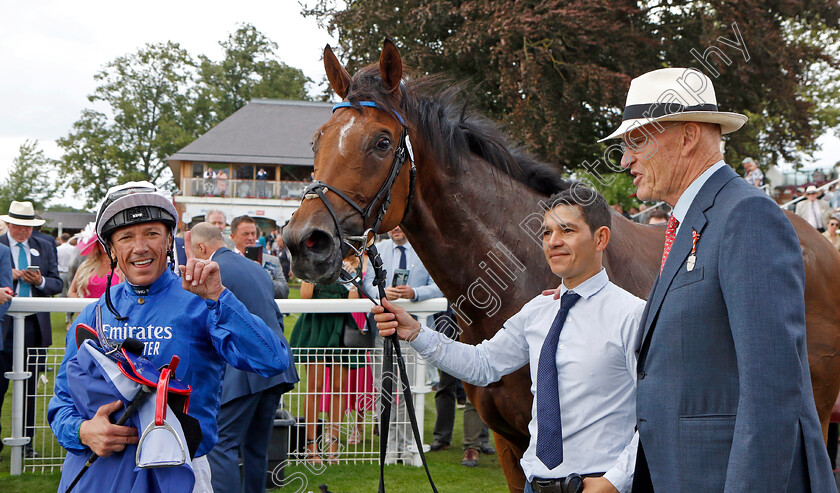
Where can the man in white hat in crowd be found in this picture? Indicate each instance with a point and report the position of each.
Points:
(34, 274)
(724, 397)
(814, 210)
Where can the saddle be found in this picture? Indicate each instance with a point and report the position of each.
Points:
(169, 392)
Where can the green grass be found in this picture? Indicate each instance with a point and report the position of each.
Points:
(445, 465)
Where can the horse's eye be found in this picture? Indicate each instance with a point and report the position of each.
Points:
(383, 143)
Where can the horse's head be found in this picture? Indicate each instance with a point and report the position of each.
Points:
(359, 157)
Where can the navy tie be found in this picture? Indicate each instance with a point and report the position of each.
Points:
(549, 428)
(403, 262)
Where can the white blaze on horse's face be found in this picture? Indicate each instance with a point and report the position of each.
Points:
(342, 134)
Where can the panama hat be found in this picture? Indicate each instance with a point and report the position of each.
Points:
(674, 94)
(811, 189)
(22, 214)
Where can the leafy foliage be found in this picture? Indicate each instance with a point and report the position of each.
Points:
(29, 178)
(557, 71)
(159, 99)
(250, 69)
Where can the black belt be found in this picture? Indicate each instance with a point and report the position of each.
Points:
(572, 483)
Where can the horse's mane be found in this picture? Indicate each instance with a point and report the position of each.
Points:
(455, 132)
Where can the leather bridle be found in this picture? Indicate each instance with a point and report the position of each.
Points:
(382, 197)
(392, 344)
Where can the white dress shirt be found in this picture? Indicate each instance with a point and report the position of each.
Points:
(596, 365)
(685, 200)
(13, 246)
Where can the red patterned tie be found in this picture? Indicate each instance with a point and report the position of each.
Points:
(670, 234)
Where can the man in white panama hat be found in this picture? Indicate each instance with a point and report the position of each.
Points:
(724, 398)
(35, 274)
(814, 210)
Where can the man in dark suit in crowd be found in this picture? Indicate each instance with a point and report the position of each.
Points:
(724, 397)
(244, 233)
(248, 400)
(34, 274)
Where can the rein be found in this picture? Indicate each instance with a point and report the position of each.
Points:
(392, 343)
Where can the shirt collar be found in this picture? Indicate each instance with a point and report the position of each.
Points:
(685, 200)
(589, 287)
(13, 242)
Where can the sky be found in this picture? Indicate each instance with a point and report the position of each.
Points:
(50, 50)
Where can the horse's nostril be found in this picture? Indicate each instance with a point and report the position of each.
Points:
(319, 242)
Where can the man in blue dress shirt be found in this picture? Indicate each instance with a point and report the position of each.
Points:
(581, 351)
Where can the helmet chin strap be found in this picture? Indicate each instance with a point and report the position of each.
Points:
(108, 302)
(170, 255)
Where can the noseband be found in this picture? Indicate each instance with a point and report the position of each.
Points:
(382, 197)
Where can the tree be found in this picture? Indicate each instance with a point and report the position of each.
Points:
(159, 99)
(556, 72)
(250, 69)
(29, 178)
(147, 95)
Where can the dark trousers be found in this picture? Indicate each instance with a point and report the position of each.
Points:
(475, 431)
(32, 338)
(245, 426)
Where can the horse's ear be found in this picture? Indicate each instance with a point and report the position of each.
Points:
(390, 66)
(337, 75)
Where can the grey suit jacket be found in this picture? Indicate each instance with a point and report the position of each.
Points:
(252, 286)
(724, 397)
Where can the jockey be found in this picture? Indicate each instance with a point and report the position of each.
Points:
(192, 316)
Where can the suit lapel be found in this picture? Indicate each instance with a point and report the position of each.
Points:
(4, 239)
(695, 220)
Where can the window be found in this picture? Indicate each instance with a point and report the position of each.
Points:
(296, 173)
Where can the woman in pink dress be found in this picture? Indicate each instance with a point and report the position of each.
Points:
(92, 276)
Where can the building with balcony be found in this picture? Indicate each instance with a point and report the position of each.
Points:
(257, 162)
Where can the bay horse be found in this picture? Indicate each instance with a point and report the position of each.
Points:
(474, 217)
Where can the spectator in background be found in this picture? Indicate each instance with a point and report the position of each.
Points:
(814, 210)
(248, 400)
(657, 216)
(282, 254)
(35, 274)
(217, 218)
(221, 183)
(476, 434)
(67, 253)
(832, 197)
(407, 279)
(321, 335)
(831, 232)
(92, 275)
(633, 214)
(243, 232)
(620, 209)
(752, 174)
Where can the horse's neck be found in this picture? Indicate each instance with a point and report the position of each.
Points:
(632, 257)
(471, 232)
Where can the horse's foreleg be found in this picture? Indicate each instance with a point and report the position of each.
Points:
(509, 456)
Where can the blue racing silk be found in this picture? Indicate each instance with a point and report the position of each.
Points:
(95, 380)
(170, 320)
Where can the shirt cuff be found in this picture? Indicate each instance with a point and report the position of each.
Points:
(43, 283)
(425, 340)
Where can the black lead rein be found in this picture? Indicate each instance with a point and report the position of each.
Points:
(392, 343)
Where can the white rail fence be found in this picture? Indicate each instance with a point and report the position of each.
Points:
(349, 433)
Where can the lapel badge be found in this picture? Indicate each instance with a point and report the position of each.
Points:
(692, 259)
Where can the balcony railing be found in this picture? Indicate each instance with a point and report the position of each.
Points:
(253, 189)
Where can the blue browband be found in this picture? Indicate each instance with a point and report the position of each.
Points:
(370, 104)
